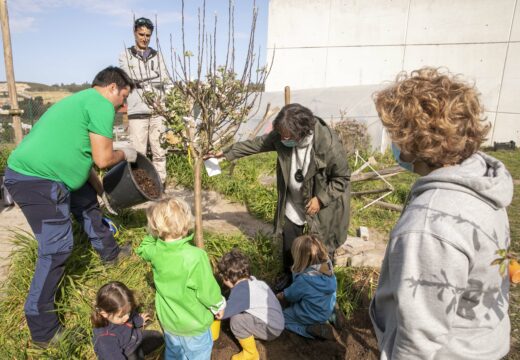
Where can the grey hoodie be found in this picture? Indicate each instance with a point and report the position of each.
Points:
(439, 297)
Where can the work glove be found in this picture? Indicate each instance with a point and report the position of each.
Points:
(130, 153)
(104, 202)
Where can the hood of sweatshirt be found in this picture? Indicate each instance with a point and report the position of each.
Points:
(480, 175)
(320, 277)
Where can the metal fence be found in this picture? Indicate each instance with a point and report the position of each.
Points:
(33, 109)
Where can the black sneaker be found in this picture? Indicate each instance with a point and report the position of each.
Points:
(323, 331)
(53, 341)
(283, 282)
(124, 252)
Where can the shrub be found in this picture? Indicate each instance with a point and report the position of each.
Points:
(353, 135)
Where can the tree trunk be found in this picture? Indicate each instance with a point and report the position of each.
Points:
(199, 240)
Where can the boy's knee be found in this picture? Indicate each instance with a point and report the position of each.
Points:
(239, 326)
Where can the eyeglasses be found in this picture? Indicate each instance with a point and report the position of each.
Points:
(143, 22)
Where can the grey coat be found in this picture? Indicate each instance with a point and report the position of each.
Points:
(149, 74)
(438, 296)
(327, 178)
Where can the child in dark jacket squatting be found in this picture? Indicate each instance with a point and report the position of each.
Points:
(118, 329)
(252, 306)
(312, 295)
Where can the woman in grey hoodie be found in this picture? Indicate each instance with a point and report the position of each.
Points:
(439, 297)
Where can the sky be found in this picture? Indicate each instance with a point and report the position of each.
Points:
(69, 41)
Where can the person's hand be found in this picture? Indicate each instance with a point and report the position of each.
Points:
(130, 153)
(103, 202)
(280, 296)
(210, 155)
(145, 317)
(219, 315)
(313, 206)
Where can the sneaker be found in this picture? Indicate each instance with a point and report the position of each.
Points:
(58, 336)
(323, 331)
(124, 252)
(283, 282)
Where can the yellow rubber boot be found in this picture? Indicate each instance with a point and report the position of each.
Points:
(249, 351)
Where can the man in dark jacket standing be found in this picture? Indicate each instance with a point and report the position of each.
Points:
(313, 179)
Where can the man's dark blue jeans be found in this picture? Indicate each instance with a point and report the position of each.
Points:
(46, 205)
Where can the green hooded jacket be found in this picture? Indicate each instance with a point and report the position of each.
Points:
(327, 178)
(187, 294)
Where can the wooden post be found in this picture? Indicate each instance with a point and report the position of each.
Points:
(9, 72)
(287, 92)
(268, 114)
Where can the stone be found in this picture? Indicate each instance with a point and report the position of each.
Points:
(359, 252)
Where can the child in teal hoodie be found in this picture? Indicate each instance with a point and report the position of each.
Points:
(312, 295)
(187, 294)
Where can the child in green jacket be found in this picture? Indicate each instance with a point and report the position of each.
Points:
(187, 294)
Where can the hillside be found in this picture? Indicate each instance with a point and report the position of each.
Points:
(50, 94)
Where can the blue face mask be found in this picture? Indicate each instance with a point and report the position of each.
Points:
(289, 143)
(397, 156)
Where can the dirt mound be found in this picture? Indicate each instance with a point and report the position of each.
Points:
(287, 346)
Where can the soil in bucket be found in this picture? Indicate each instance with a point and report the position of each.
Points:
(146, 183)
(129, 184)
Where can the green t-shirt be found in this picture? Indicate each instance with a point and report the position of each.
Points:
(187, 294)
(58, 147)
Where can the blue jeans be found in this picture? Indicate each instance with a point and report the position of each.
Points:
(295, 324)
(188, 347)
(47, 205)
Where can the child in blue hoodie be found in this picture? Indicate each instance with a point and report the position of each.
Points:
(312, 295)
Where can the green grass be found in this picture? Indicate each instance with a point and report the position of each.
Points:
(85, 274)
(5, 151)
(242, 187)
(260, 200)
(512, 161)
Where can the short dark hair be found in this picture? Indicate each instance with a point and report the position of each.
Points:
(112, 298)
(111, 75)
(296, 119)
(234, 266)
(142, 21)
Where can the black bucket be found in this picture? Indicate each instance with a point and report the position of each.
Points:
(121, 187)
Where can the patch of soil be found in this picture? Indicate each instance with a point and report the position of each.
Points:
(146, 183)
(288, 346)
(356, 341)
(361, 340)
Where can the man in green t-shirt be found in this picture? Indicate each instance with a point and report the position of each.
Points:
(50, 175)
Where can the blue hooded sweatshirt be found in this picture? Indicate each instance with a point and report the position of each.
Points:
(313, 293)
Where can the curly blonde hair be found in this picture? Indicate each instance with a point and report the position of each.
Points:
(169, 218)
(433, 115)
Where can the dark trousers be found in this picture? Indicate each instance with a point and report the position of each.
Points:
(46, 205)
(152, 340)
(290, 232)
(85, 208)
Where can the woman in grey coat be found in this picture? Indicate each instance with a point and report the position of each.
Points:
(313, 179)
(439, 295)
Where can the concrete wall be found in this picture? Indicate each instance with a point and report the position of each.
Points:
(337, 43)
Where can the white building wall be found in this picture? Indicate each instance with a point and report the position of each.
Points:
(338, 43)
